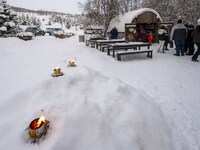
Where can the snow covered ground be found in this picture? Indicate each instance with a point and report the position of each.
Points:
(102, 104)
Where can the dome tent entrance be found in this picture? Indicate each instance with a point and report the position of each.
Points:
(132, 24)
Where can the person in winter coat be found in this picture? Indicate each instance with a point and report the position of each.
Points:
(189, 40)
(143, 34)
(165, 47)
(161, 37)
(186, 43)
(114, 33)
(150, 38)
(179, 34)
(196, 39)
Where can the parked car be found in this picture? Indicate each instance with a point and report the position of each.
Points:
(35, 30)
(52, 31)
(49, 31)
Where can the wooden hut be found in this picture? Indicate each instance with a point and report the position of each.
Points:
(132, 23)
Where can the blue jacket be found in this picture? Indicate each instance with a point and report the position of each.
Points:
(178, 32)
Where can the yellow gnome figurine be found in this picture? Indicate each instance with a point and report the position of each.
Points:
(57, 72)
(71, 63)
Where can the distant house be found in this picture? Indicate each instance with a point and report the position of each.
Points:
(132, 22)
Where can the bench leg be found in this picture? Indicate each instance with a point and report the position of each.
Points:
(103, 49)
(108, 52)
(149, 54)
(100, 47)
(113, 52)
(96, 45)
(119, 57)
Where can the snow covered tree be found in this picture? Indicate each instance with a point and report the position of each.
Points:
(38, 22)
(6, 17)
(172, 10)
(128, 5)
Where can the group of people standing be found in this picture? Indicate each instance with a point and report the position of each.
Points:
(184, 37)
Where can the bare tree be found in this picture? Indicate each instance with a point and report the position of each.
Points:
(100, 12)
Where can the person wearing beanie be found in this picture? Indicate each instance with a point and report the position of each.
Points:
(196, 39)
(179, 34)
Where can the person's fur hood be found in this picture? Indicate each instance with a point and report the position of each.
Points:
(161, 31)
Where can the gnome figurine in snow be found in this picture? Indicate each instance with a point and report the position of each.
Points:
(57, 72)
(71, 63)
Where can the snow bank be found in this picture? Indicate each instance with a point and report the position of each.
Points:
(87, 111)
(22, 34)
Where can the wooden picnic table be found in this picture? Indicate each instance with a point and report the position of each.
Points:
(100, 43)
(126, 46)
(92, 41)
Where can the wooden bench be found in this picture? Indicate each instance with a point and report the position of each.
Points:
(125, 46)
(92, 41)
(103, 48)
(106, 47)
(149, 53)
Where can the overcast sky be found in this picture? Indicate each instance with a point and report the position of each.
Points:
(68, 6)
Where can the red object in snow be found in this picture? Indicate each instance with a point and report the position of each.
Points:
(150, 38)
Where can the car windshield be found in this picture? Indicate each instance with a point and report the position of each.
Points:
(57, 29)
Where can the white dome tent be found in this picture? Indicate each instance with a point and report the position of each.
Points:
(146, 17)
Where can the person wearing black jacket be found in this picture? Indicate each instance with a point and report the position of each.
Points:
(165, 47)
(189, 40)
(114, 33)
(196, 39)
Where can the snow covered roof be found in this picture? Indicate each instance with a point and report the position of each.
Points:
(25, 34)
(119, 21)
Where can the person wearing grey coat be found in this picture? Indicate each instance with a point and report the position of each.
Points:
(179, 34)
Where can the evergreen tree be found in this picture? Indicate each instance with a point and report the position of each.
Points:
(6, 18)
